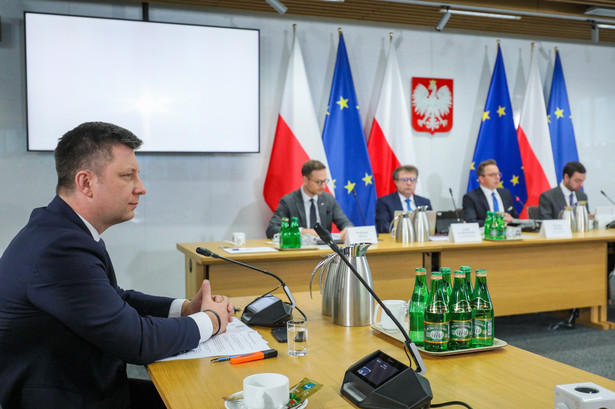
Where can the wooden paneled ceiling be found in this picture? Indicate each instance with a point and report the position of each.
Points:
(563, 19)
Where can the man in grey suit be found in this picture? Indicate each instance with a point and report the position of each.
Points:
(568, 193)
(310, 203)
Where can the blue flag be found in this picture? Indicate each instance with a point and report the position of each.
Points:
(497, 138)
(346, 148)
(560, 121)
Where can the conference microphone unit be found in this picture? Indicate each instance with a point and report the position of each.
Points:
(454, 205)
(605, 195)
(266, 310)
(379, 380)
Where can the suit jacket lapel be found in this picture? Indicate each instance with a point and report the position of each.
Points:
(483, 200)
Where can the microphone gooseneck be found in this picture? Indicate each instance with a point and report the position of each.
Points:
(356, 198)
(605, 195)
(416, 356)
(454, 205)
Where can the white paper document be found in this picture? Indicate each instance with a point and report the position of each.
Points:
(238, 339)
(242, 250)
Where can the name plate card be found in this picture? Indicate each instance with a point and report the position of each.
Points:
(363, 234)
(464, 233)
(555, 229)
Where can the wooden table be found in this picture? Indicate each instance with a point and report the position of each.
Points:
(524, 276)
(504, 378)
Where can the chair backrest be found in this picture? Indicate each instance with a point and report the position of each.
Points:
(533, 212)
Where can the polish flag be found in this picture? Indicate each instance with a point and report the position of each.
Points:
(297, 136)
(534, 140)
(390, 140)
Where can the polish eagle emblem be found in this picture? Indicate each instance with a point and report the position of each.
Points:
(432, 105)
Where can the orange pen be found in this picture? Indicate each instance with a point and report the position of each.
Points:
(254, 356)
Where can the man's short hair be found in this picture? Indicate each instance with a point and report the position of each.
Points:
(310, 166)
(480, 170)
(572, 167)
(406, 168)
(89, 147)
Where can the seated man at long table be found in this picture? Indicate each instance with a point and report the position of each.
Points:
(310, 204)
(66, 328)
(567, 193)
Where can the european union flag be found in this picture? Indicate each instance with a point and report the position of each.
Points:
(346, 148)
(563, 142)
(497, 138)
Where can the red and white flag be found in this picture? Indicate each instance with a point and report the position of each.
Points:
(390, 140)
(297, 136)
(534, 139)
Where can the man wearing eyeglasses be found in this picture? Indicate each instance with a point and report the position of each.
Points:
(488, 196)
(405, 178)
(310, 204)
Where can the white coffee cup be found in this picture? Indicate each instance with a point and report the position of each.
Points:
(239, 238)
(265, 391)
(397, 308)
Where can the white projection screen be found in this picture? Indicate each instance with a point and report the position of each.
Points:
(180, 88)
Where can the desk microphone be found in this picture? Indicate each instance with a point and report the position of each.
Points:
(365, 384)
(267, 310)
(454, 205)
(612, 202)
(356, 198)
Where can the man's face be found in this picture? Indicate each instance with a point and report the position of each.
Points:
(406, 183)
(574, 182)
(315, 183)
(116, 193)
(491, 177)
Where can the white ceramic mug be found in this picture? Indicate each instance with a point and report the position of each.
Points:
(265, 391)
(239, 238)
(397, 308)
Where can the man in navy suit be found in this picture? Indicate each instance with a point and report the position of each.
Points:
(310, 204)
(66, 328)
(488, 196)
(405, 178)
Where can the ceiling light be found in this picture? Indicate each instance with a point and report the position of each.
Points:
(480, 14)
(601, 11)
(277, 6)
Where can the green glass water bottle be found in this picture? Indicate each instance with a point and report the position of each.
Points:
(487, 225)
(467, 270)
(446, 283)
(460, 314)
(416, 306)
(482, 312)
(285, 234)
(501, 226)
(295, 234)
(436, 325)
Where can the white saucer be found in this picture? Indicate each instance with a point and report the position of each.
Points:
(238, 404)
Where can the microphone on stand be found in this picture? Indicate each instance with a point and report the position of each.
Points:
(454, 205)
(405, 387)
(518, 199)
(356, 198)
(267, 310)
(604, 194)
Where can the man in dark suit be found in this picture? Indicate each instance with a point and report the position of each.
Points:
(568, 193)
(488, 196)
(310, 203)
(405, 179)
(66, 328)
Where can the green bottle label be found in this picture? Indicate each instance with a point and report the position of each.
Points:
(483, 328)
(461, 331)
(436, 332)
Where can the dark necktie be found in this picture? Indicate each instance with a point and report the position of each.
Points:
(312, 214)
(496, 207)
(571, 199)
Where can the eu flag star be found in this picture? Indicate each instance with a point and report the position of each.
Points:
(349, 187)
(514, 180)
(343, 103)
(501, 111)
(333, 184)
(501, 184)
(367, 179)
(485, 115)
(472, 166)
(559, 113)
